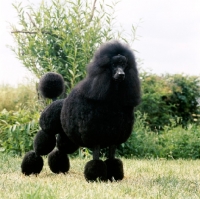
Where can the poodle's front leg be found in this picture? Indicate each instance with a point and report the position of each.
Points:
(112, 150)
(114, 166)
(95, 152)
(95, 169)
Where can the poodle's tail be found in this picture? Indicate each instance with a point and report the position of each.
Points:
(51, 85)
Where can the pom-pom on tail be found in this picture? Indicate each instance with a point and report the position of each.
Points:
(51, 85)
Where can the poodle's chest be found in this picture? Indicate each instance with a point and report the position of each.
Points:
(104, 116)
(92, 122)
(101, 110)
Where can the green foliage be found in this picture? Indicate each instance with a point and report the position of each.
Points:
(185, 98)
(154, 87)
(169, 97)
(180, 143)
(17, 129)
(172, 142)
(24, 96)
(61, 36)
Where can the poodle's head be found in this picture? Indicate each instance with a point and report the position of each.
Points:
(112, 72)
(114, 59)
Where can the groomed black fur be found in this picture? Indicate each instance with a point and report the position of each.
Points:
(44, 143)
(114, 169)
(99, 85)
(95, 170)
(99, 110)
(58, 162)
(51, 85)
(97, 113)
(50, 118)
(65, 145)
(31, 164)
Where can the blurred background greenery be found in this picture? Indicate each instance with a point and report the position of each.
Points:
(61, 36)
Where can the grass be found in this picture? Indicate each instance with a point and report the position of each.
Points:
(155, 178)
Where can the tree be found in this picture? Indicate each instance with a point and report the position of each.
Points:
(61, 36)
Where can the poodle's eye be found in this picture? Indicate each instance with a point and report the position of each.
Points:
(124, 65)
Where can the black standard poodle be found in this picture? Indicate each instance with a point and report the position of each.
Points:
(98, 113)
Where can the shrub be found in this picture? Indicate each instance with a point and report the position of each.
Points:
(23, 96)
(17, 129)
(154, 87)
(172, 142)
(61, 36)
(169, 97)
(184, 98)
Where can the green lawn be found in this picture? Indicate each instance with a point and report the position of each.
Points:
(158, 178)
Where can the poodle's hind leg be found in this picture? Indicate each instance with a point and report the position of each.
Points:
(64, 144)
(95, 169)
(32, 162)
(58, 159)
(44, 143)
(114, 166)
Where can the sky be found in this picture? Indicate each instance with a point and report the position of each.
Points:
(168, 36)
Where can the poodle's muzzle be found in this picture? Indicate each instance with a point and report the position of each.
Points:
(119, 75)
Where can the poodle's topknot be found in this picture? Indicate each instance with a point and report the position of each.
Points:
(51, 85)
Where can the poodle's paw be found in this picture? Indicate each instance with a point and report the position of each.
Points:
(114, 169)
(31, 164)
(95, 170)
(58, 162)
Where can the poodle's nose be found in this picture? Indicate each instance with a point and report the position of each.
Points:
(120, 75)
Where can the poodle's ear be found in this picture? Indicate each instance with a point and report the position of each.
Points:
(102, 62)
(98, 65)
(96, 87)
(97, 83)
(132, 92)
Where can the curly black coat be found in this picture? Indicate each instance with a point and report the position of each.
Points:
(99, 110)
